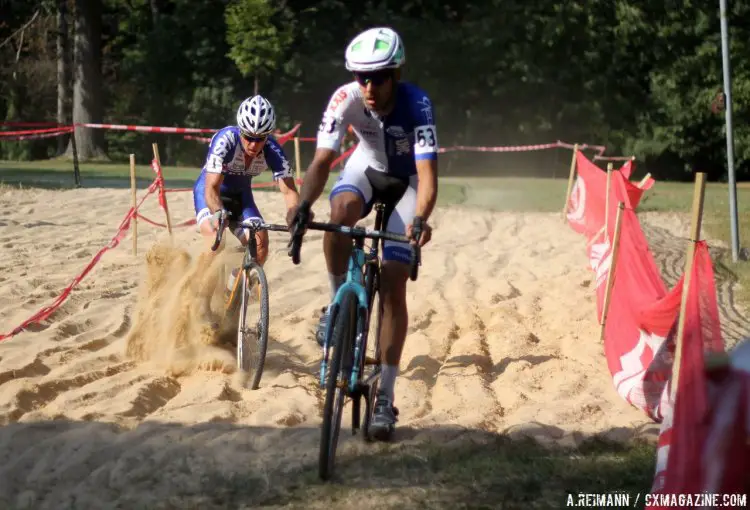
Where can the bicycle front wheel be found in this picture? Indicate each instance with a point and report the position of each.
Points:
(342, 321)
(252, 329)
(370, 362)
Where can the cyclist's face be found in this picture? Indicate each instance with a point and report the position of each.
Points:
(252, 144)
(377, 88)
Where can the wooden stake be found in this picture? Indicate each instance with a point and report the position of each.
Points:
(166, 208)
(595, 237)
(133, 196)
(695, 233)
(570, 181)
(612, 267)
(606, 201)
(643, 181)
(297, 159)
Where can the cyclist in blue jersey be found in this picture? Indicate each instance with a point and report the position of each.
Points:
(395, 162)
(236, 155)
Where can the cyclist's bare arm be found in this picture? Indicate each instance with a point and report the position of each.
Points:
(316, 176)
(427, 189)
(289, 191)
(213, 184)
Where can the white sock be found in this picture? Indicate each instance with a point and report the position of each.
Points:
(388, 374)
(335, 281)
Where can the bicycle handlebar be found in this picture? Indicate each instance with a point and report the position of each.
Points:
(356, 232)
(253, 225)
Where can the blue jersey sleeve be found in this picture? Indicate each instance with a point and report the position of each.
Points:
(221, 150)
(425, 129)
(276, 159)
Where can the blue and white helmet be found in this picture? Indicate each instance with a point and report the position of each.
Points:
(256, 117)
(375, 49)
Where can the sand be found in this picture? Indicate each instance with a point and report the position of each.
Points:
(124, 397)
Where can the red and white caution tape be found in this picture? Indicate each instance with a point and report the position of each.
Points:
(599, 148)
(281, 138)
(63, 131)
(45, 312)
(26, 132)
(516, 148)
(148, 129)
(613, 158)
(185, 223)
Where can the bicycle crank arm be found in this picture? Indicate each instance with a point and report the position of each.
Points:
(374, 376)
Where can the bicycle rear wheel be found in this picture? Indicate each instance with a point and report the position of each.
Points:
(342, 321)
(252, 334)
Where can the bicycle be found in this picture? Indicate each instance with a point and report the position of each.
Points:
(349, 317)
(248, 359)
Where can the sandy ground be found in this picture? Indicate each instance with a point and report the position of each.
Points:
(123, 398)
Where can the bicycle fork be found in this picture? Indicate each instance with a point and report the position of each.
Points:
(361, 313)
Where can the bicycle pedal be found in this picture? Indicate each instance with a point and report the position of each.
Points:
(371, 361)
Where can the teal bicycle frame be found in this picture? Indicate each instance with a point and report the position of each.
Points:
(361, 283)
(354, 284)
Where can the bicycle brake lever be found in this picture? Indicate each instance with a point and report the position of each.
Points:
(416, 232)
(219, 234)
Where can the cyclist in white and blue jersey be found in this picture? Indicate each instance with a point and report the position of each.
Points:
(236, 154)
(395, 162)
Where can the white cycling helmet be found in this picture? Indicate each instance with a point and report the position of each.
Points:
(255, 116)
(375, 49)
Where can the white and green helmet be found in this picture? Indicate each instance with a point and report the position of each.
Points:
(375, 49)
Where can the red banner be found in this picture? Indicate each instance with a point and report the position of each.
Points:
(641, 311)
(702, 443)
(587, 203)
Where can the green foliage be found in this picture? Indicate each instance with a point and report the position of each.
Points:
(635, 75)
(259, 33)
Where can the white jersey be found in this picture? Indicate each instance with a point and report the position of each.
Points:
(392, 143)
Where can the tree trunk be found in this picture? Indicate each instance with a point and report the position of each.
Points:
(87, 86)
(63, 70)
(257, 85)
(154, 12)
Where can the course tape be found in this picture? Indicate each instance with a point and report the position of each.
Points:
(282, 138)
(17, 138)
(185, 223)
(26, 132)
(47, 311)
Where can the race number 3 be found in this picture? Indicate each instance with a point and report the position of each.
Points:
(328, 124)
(425, 139)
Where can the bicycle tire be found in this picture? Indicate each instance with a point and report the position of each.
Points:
(372, 286)
(341, 363)
(248, 362)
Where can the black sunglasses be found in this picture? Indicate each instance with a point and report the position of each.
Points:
(252, 139)
(377, 78)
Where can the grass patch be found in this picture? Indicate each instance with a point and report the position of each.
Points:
(486, 473)
(58, 174)
(678, 197)
(513, 194)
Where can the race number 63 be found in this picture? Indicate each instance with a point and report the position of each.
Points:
(426, 137)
